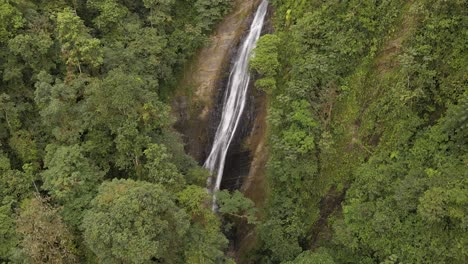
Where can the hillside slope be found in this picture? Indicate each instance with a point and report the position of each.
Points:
(367, 132)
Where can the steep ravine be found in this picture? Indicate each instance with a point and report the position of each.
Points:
(201, 86)
(197, 108)
(253, 185)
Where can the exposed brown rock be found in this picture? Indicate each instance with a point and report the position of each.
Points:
(203, 77)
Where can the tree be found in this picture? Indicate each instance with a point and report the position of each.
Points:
(10, 20)
(9, 113)
(265, 61)
(35, 49)
(25, 146)
(210, 11)
(413, 204)
(134, 222)
(319, 256)
(205, 243)
(280, 239)
(71, 179)
(45, 238)
(83, 87)
(78, 46)
(14, 187)
(160, 12)
(8, 236)
(111, 14)
(236, 205)
(131, 124)
(160, 169)
(61, 106)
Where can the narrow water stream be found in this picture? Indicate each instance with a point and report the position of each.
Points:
(234, 102)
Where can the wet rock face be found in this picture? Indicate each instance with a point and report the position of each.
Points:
(239, 156)
(248, 142)
(199, 112)
(195, 107)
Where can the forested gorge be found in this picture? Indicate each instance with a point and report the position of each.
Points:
(367, 131)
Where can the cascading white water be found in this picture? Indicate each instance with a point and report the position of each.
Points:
(234, 101)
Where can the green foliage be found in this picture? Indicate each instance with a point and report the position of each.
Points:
(71, 179)
(280, 238)
(205, 242)
(83, 85)
(236, 205)
(210, 11)
(111, 13)
(45, 238)
(8, 236)
(367, 98)
(34, 49)
(11, 19)
(15, 185)
(319, 256)
(418, 196)
(161, 170)
(134, 222)
(68, 171)
(129, 124)
(265, 62)
(359, 91)
(160, 10)
(197, 176)
(60, 108)
(77, 45)
(22, 141)
(10, 114)
(440, 204)
(436, 52)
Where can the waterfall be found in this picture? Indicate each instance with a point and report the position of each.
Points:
(234, 101)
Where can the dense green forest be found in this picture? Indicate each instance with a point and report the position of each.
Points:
(367, 116)
(91, 170)
(367, 135)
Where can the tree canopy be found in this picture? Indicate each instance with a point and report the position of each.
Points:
(366, 134)
(85, 120)
(134, 222)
